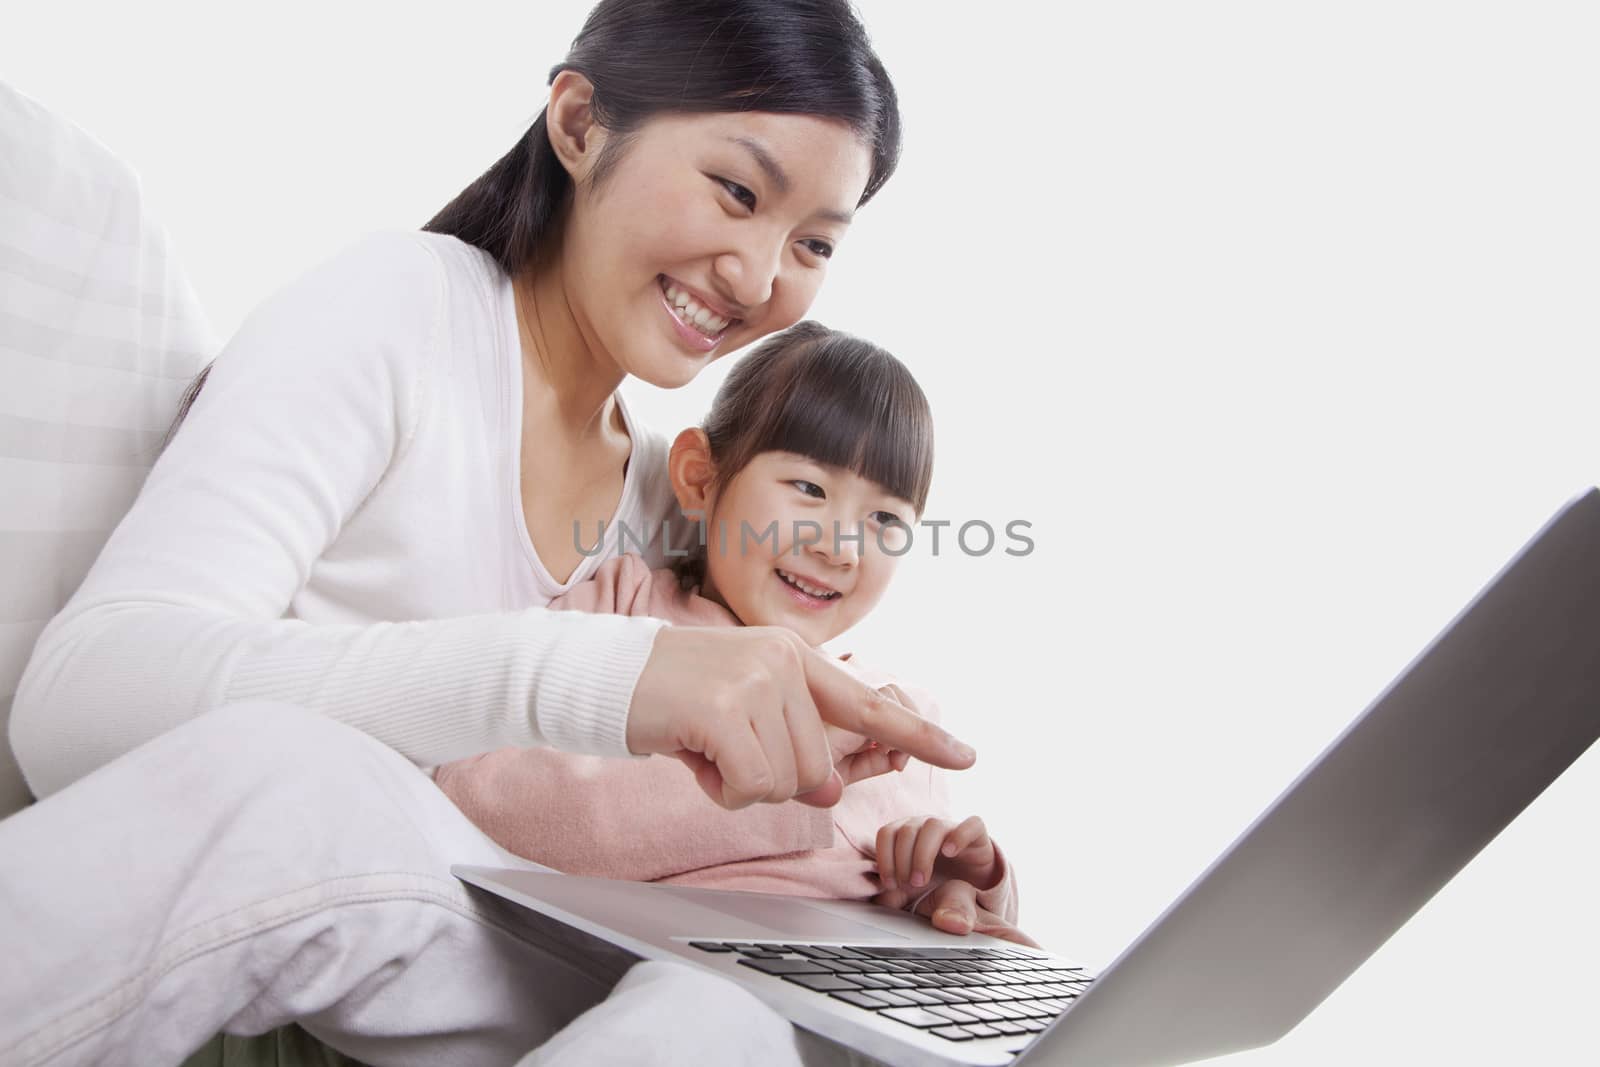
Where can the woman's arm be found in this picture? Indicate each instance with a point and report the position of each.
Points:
(304, 412)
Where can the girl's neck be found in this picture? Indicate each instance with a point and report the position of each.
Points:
(708, 589)
(561, 372)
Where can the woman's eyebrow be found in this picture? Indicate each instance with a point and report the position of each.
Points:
(780, 178)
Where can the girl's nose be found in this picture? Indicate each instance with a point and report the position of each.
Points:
(840, 544)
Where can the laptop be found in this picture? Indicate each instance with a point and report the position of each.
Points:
(1476, 727)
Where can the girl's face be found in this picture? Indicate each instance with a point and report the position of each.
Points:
(782, 546)
(709, 232)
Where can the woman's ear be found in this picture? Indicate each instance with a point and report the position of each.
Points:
(692, 472)
(575, 134)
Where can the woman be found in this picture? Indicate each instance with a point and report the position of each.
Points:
(373, 496)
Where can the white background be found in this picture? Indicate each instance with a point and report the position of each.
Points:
(1277, 321)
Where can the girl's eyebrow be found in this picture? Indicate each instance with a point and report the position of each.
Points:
(780, 178)
(847, 472)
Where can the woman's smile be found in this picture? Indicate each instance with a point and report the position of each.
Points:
(698, 322)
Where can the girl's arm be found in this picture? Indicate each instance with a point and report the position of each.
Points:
(305, 410)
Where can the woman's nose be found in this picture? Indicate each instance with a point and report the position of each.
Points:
(749, 274)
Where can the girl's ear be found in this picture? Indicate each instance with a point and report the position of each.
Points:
(575, 134)
(692, 472)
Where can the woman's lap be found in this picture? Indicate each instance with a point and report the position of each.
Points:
(258, 865)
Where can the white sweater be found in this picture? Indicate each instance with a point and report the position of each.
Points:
(339, 525)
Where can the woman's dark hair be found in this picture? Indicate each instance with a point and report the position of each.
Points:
(648, 57)
(828, 396)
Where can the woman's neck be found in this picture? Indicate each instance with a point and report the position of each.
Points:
(568, 378)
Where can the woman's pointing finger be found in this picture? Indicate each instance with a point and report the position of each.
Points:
(847, 702)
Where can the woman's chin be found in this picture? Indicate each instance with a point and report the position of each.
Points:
(671, 370)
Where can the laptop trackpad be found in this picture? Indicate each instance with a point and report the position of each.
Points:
(646, 909)
(782, 917)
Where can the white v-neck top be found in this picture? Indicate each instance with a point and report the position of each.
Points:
(339, 525)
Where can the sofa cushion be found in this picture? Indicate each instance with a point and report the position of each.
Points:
(100, 333)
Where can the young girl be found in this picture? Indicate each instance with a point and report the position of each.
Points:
(814, 462)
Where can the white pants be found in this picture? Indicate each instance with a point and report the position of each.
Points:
(263, 864)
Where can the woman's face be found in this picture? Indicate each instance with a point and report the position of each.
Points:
(708, 232)
(794, 543)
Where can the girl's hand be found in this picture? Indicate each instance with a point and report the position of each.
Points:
(746, 708)
(909, 850)
(954, 908)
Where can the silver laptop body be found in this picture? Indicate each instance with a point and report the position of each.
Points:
(1476, 727)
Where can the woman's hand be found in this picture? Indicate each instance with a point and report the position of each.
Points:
(954, 908)
(749, 710)
(912, 851)
(858, 758)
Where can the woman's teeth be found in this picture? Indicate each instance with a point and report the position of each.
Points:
(808, 588)
(691, 313)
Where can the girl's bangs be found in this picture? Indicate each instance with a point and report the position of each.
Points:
(847, 405)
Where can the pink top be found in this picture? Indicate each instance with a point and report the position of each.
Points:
(648, 819)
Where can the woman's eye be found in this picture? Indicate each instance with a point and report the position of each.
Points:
(809, 488)
(739, 193)
(819, 248)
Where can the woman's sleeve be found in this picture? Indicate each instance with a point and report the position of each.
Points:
(303, 413)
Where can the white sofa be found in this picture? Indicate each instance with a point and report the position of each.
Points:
(100, 333)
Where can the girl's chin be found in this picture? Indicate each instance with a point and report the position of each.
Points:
(812, 630)
(807, 626)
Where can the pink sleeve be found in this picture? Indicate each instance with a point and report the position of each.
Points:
(614, 818)
(611, 818)
(1001, 898)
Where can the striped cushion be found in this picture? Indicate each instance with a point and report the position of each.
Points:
(99, 334)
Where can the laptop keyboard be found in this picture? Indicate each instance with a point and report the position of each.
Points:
(954, 992)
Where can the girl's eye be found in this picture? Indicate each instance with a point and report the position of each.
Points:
(809, 488)
(739, 193)
(884, 518)
(819, 248)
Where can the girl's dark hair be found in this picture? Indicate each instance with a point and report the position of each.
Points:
(830, 397)
(648, 57)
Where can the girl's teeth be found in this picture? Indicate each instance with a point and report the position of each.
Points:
(823, 594)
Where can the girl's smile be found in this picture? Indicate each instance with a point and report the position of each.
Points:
(807, 592)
